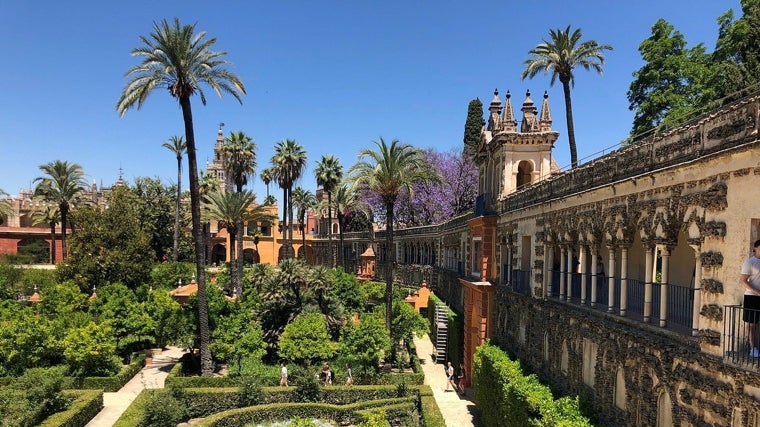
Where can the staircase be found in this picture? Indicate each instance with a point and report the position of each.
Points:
(442, 330)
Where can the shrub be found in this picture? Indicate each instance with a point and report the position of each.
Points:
(164, 411)
(32, 397)
(250, 393)
(307, 390)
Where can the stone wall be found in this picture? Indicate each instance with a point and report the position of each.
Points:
(584, 352)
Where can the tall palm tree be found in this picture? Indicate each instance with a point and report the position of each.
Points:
(231, 209)
(174, 57)
(5, 207)
(289, 161)
(239, 153)
(303, 200)
(329, 172)
(387, 172)
(559, 56)
(266, 177)
(49, 215)
(62, 184)
(176, 144)
(347, 201)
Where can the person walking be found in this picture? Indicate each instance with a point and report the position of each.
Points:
(450, 377)
(283, 374)
(461, 378)
(750, 280)
(349, 374)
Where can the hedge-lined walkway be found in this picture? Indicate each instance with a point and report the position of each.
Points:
(457, 410)
(151, 376)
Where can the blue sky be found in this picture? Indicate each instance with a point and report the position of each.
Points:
(333, 75)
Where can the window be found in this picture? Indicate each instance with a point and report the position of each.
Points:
(477, 256)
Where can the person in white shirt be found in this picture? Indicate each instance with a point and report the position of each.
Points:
(283, 374)
(750, 280)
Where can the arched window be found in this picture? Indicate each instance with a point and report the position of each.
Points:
(524, 173)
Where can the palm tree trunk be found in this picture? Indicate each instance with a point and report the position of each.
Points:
(570, 126)
(232, 261)
(329, 229)
(290, 221)
(204, 332)
(64, 214)
(239, 261)
(176, 215)
(389, 260)
(342, 257)
(284, 224)
(52, 242)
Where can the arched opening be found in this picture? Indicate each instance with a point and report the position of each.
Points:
(218, 254)
(524, 173)
(664, 410)
(335, 229)
(250, 256)
(34, 251)
(619, 394)
(306, 253)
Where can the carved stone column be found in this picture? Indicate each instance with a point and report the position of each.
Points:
(594, 273)
(562, 271)
(664, 287)
(611, 279)
(569, 278)
(584, 271)
(649, 264)
(548, 273)
(623, 280)
(697, 291)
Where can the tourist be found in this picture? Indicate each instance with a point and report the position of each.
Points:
(450, 377)
(349, 374)
(460, 378)
(283, 374)
(750, 280)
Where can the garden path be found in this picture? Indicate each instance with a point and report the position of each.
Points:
(151, 376)
(457, 410)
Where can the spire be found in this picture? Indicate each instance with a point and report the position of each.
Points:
(495, 109)
(545, 122)
(529, 123)
(508, 115)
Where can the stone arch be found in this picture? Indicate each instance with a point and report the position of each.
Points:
(251, 256)
(619, 395)
(37, 248)
(564, 359)
(218, 253)
(524, 173)
(307, 253)
(664, 410)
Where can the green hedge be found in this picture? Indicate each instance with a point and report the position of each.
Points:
(431, 413)
(397, 407)
(205, 402)
(109, 384)
(506, 397)
(86, 405)
(455, 333)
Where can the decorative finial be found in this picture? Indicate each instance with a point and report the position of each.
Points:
(527, 93)
(496, 92)
(509, 95)
(546, 94)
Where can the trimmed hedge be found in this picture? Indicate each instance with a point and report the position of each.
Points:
(86, 405)
(506, 397)
(108, 384)
(395, 408)
(205, 402)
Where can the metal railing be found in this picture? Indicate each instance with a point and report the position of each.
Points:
(521, 281)
(736, 334)
(680, 299)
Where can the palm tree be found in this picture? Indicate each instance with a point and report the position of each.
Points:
(387, 172)
(347, 201)
(50, 215)
(329, 172)
(63, 183)
(231, 209)
(559, 56)
(174, 57)
(266, 176)
(5, 207)
(239, 153)
(289, 161)
(176, 144)
(303, 200)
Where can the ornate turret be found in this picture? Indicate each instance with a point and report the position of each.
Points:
(545, 123)
(495, 112)
(217, 167)
(529, 121)
(508, 122)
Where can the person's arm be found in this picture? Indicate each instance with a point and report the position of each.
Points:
(745, 282)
